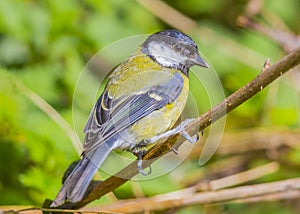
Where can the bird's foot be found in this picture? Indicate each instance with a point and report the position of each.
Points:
(180, 129)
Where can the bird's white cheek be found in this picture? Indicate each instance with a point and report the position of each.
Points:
(165, 55)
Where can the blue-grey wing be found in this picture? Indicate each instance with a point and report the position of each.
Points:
(111, 116)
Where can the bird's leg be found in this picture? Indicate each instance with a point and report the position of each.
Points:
(180, 129)
(140, 152)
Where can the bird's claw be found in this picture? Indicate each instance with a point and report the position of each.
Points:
(141, 169)
(140, 164)
(178, 130)
(174, 150)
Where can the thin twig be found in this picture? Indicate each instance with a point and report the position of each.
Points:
(233, 101)
(286, 39)
(287, 195)
(52, 113)
(242, 177)
(253, 7)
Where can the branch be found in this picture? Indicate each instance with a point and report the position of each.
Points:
(243, 94)
(167, 201)
(286, 39)
(277, 31)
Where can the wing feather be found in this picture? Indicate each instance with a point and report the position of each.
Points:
(111, 116)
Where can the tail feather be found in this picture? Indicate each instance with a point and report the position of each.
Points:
(75, 186)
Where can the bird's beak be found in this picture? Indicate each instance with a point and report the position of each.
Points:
(199, 61)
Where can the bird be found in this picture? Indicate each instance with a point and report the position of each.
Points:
(143, 98)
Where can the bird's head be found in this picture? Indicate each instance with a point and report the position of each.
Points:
(171, 48)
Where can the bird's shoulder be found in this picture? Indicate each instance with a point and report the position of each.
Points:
(137, 74)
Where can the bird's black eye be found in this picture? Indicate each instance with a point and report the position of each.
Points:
(177, 48)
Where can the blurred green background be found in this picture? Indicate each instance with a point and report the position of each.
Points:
(44, 45)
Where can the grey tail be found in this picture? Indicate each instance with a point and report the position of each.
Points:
(76, 185)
